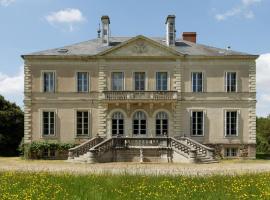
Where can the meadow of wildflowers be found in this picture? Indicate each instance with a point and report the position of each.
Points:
(16, 185)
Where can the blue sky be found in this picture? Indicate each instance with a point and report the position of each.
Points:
(33, 25)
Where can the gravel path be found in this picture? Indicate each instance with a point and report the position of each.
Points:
(225, 167)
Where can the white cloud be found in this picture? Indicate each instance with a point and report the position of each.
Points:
(243, 10)
(263, 85)
(6, 2)
(67, 17)
(11, 87)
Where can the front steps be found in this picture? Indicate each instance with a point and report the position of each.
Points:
(159, 149)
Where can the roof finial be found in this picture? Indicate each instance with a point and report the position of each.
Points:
(98, 31)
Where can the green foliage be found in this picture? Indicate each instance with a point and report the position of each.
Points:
(36, 148)
(15, 185)
(263, 135)
(11, 127)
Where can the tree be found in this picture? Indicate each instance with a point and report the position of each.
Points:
(11, 127)
(263, 135)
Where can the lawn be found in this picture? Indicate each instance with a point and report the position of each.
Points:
(44, 185)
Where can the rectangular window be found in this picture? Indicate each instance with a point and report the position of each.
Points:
(161, 81)
(139, 79)
(197, 81)
(82, 81)
(231, 123)
(230, 152)
(118, 81)
(48, 82)
(230, 81)
(48, 123)
(82, 123)
(197, 123)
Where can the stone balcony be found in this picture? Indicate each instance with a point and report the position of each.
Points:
(140, 95)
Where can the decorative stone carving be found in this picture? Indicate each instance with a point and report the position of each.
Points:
(140, 47)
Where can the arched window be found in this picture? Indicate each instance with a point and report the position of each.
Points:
(139, 123)
(161, 124)
(117, 124)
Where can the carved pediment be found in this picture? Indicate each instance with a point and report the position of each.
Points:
(140, 47)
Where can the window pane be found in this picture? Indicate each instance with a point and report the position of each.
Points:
(161, 81)
(82, 81)
(117, 80)
(197, 81)
(139, 81)
(48, 82)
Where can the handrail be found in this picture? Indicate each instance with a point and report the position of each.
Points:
(135, 95)
(183, 148)
(84, 147)
(142, 141)
(103, 146)
(198, 146)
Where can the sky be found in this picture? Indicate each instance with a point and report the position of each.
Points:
(33, 25)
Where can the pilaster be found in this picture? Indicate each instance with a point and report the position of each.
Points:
(27, 104)
(252, 104)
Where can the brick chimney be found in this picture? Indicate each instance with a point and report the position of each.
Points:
(190, 36)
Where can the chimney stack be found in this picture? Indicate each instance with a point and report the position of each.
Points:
(105, 30)
(170, 30)
(190, 36)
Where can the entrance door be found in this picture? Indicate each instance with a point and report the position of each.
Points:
(117, 124)
(139, 123)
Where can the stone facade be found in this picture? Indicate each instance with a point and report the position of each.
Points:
(141, 54)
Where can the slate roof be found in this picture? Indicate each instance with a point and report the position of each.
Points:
(94, 46)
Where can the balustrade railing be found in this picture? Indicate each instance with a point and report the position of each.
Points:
(140, 95)
(84, 147)
(198, 146)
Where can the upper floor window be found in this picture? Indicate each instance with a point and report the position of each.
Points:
(82, 81)
(197, 81)
(117, 81)
(48, 82)
(48, 123)
(231, 123)
(230, 81)
(161, 81)
(82, 123)
(139, 80)
(197, 123)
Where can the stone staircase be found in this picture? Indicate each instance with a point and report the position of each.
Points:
(127, 149)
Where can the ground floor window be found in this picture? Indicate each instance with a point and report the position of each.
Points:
(82, 123)
(161, 124)
(231, 152)
(48, 123)
(139, 123)
(231, 123)
(117, 124)
(197, 123)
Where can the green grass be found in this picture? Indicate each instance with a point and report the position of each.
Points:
(15, 185)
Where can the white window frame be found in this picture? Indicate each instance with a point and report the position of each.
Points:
(117, 124)
(42, 80)
(191, 123)
(225, 81)
(88, 84)
(89, 122)
(111, 80)
(167, 115)
(168, 80)
(145, 81)
(203, 76)
(237, 122)
(139, 124)
(42, 125)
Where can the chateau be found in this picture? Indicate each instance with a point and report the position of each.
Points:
(161, 99)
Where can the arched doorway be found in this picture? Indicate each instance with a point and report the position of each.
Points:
(139, 123)
(162, 124)
(117, 124)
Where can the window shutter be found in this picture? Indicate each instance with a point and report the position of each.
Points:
(237, 122)
(225, 82)
(202, 82)
(225, 123)
(203, 129)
